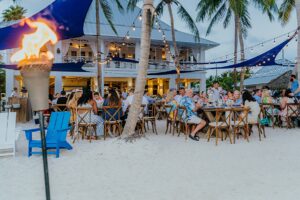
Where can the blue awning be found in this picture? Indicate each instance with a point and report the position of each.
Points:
(57, 67)
(67, 15)
(170, 72)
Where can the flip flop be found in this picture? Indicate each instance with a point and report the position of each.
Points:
(196, 138)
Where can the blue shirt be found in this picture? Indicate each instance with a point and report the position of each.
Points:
(257, 98)
(294, 87)
(238, 102)
(189, 104)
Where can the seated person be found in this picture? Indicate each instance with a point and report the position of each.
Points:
(99, 100)
(237, 98)
(87, 101)
(170, 100)
(191, 113)
(62, 100)
(257, 95)
(129, 101)
(251, 103)
(113, 100)
(286, 99)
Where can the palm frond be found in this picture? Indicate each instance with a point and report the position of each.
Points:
(119, 5)
(160, 8)
(207, 8)
(108, 14)
(216, 18)
(132, 4)
(186, 17)
(285, 10)
(227, 18)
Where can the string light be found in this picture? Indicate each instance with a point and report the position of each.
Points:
(140, 17)
(159, 30)
(133, 27)
(127, 36)
(274, 41)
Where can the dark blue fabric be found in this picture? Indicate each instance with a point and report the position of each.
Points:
(58, 67)
(267, 57)
(67, 15)
(204, 63)
(173, 72)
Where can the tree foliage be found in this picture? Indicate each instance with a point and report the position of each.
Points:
(225, 79)
(13, 13)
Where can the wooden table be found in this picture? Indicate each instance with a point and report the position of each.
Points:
(24, 112)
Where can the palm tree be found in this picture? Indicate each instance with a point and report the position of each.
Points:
(185, 16)
(147, 14)
(284, 15)
(107, 11)
(13, 13)
(238, 10)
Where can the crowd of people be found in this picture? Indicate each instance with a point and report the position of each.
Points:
(192, 101)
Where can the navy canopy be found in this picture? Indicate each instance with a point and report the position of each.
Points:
(170, 72)
(67, 15)
(265, 59)
(58, 67)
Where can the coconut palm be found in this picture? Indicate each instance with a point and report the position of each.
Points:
(135, 107)
(107, 11)
(184, 15)
(284, 15)
(237, 10)
(13, 13)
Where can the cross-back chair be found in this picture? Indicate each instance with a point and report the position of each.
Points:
(84, 123)
(112, 123)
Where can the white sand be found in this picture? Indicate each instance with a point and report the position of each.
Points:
(161, 167)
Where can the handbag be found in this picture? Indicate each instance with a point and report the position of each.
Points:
(264, 121)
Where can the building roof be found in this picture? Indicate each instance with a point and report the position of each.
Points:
(267, 74)
(123, 22)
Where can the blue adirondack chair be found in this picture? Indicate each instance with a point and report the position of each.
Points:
(56, 134)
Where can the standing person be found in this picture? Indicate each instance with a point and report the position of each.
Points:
(216, 91)
(257, 95)
(99, 100)
(56, 96)
(87, 101)
(191, 113)
(181, 94)
(295, 86)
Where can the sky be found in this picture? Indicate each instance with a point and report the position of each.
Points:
(262, 29)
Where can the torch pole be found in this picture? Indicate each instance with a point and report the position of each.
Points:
(45, 159)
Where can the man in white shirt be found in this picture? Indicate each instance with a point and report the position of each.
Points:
(216, 91)
(129, 101)
(179, 96)
(15, 93)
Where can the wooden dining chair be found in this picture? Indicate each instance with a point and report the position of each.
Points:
(222, 122)
(84, 124)
(151, 117)
(181, 120)
(171, 118)
(59, 107)
(293, 113)
(112, 120)
(240, 121)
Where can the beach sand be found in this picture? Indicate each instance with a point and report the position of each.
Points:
(160, 167)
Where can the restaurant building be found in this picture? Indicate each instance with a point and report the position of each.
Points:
(124, 51)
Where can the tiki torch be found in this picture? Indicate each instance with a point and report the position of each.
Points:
(35, 62)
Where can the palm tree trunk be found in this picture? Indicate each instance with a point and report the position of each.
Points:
(176, 59)
(297, 5)
(98, 45)
(134, 111)
(242, 48)
(235, 49)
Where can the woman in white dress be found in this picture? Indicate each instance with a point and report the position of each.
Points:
(87, 101)
(250, 102)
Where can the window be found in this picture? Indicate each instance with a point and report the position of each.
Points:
(74, 53)
(90, 54)
(83, 53)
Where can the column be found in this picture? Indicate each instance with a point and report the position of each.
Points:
(202, 85)
(103, 66)
(9, 78)
(172, 83)
(137, 51)
(58, 86)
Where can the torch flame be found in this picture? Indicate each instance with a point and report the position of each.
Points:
(32, 43)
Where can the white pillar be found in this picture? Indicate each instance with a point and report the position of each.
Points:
(58, 52)
(103, 56)
(9, 78)
(172, 83)
(202, 85)
(58, 87)
(137, 51)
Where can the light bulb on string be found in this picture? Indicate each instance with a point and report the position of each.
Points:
(288, 36)
(123, 44)
(274, 41)
(159, 30)
(156, 22)
(127, 36)
(140, 17)
(133, 27)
